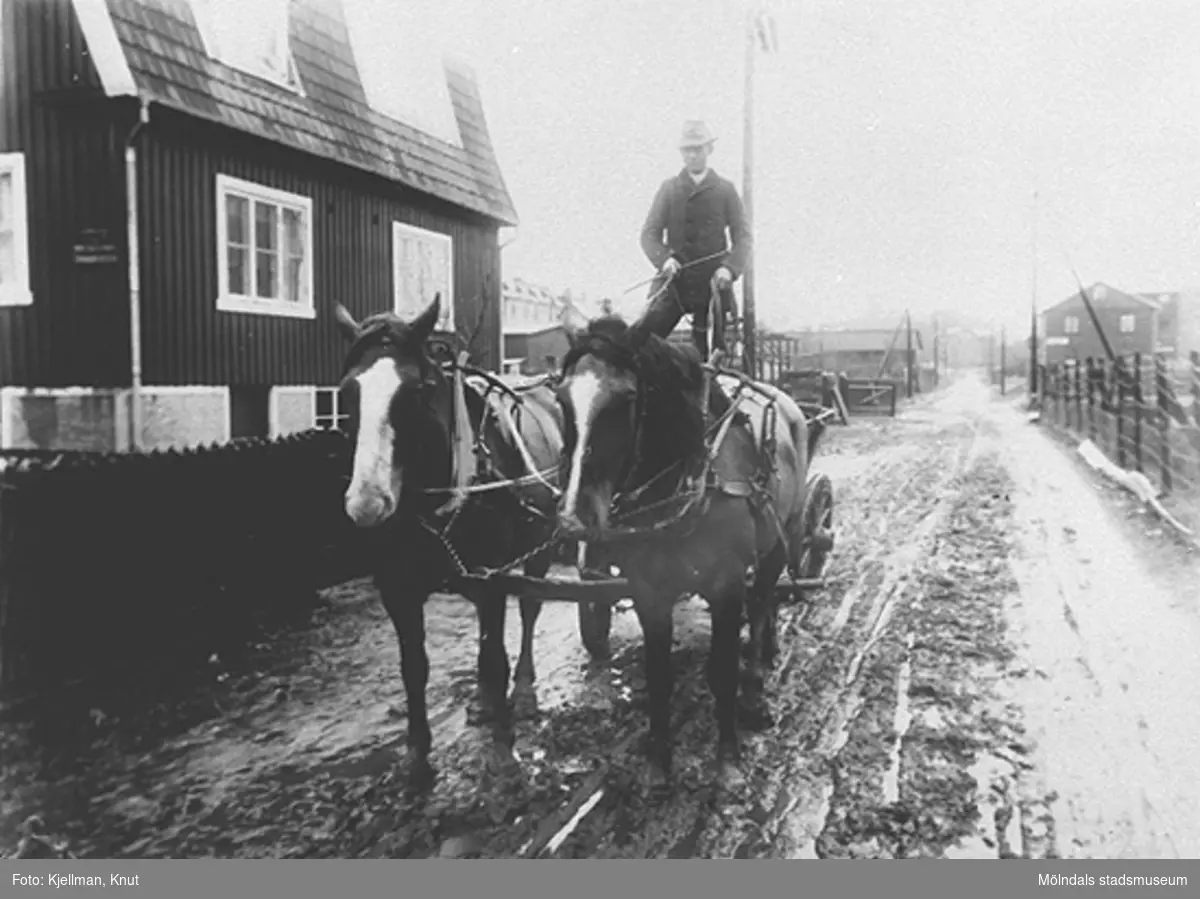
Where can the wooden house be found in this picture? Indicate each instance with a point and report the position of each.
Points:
(184, 196)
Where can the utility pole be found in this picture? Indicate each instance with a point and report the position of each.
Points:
(936, 377)
(1002, 359)
(908, 356)
(1033, 322)
(749, 318)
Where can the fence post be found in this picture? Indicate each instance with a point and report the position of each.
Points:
(1138, 399)
(1161, 386)
(1119, 409)
(1195, 357)
(1091, 398)
(1077, 376)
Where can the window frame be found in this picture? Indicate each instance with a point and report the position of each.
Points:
(446, 322)
(339, 418)
(210, 37)
(20, 292)
(1127, 317)
(229, 185)
(1071, 324)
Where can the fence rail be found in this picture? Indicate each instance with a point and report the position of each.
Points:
(117, 563)
(1143, 411)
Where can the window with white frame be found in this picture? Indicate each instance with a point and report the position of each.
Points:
(1128, 322)
(422, 265)
(1071, 324)
(264, 248)
(329, 410)
(14, 233)
(252, 37)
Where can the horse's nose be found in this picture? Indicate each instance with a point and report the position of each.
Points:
(368, 509)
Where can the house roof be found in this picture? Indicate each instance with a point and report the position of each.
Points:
(525, 329)
(154, 49)
(1102, 294)
(855, 340)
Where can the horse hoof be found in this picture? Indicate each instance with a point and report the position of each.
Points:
(730, 777)
(524, 702)
(656, 783)
(756, 717)
(480, 712)
(421, 774)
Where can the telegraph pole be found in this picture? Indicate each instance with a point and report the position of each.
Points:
(908, 356)
(1002, 359)
(749, 319)
(1033, 324)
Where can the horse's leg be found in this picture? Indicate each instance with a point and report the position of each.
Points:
(524, 697)
(727, 601)
(492, 604)
(655, 612)
(761, 607)
(405, 605)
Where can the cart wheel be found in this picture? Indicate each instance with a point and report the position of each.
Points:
(595, 623)
(818, 528)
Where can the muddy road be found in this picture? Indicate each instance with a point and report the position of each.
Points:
(1006, 663)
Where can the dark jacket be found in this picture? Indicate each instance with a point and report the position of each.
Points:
(695, 218)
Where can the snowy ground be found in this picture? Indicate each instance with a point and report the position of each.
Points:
(1006, 663)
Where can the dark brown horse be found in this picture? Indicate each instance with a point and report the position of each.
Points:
(407, 429)
(635, 450)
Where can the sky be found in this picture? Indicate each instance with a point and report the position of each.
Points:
(898, 143)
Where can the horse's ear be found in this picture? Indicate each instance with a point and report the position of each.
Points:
(346, 323)
(423, 325)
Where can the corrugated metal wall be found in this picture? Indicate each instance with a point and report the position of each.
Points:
(76, 331)
(187, 340)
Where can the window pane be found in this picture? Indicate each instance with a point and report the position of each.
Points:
(266, 226)
(293, 229)
(8, 258)
(237, 271)
(7, 213)
(237, 220)
(292, 284)
(267, 272)
(324, 402)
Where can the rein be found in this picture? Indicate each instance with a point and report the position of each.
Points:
(693, 498)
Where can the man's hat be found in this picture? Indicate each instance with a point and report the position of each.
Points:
(695, 134)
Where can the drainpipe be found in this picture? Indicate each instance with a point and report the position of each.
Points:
(135, 286)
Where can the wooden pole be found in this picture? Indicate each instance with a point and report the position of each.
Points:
(749, 318)
(1003, 358)
(936, 379)
(1033, 332)
(908, 356)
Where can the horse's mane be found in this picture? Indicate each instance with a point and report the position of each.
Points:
(671, 378)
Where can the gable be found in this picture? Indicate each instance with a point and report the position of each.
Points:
(309, 95)
(1102, 297)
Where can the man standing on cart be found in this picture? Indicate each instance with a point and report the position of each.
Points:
(697, 237)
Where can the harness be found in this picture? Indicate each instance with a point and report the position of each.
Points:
(696, 488)
(484, 476)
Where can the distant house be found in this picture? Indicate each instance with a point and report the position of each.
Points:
(186, 192)
(858, 352)
(1132, 323)
(534, 323)
(532, 349)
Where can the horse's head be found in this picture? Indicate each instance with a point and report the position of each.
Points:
(404, 407)
(630, 408)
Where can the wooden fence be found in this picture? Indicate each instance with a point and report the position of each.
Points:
(1135, 410)
(118, 564)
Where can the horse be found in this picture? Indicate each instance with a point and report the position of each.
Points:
(636, 422)
(417, 441)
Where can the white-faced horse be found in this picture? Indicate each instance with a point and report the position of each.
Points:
(420, 433)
